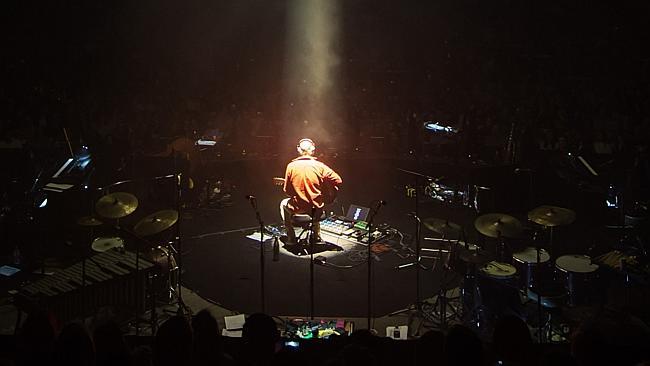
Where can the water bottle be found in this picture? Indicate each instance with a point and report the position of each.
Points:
(17, 258)
(276, 250)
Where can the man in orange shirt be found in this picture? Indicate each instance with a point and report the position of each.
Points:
(310, 184)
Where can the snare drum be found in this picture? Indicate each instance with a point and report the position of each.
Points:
(576, 272)
(498, 270)
(526, 263)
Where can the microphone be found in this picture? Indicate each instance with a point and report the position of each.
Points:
(522, 170)
(413, 215)
(252, 200)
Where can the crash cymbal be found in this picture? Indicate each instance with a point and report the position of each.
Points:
(88, 221)
(443, 227)
(475, 257)
(156, 222)
(495, 225)
(551, 216)
(116, 205)
(103, 244)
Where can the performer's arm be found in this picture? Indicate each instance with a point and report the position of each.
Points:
(288, 187)
(331, 176)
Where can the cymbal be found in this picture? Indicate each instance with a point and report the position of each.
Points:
(495, 225)
(156, 222)
(89, 221)
(475, 257)
(116, 205)
(103, 244)
(551, 215)
(443, 227)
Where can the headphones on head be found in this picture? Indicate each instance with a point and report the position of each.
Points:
(306, 145)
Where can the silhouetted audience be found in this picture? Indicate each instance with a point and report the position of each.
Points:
(74, 347)
(557, 357)
(260, 337)
(463, 347)
(511, 341)
(208, 347)
(35, 340)
(173, 344)
(609, 339)
(110, 348)
(429, 348)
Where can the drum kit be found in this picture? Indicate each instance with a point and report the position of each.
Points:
(118, 205)
(526, 269)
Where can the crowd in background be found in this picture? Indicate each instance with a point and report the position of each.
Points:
(197, 341)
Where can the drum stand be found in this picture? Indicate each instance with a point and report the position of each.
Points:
(442, 301)
(541, 325)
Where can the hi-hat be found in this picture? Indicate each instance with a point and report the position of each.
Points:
(156, 222)
(116, 205)
(89, 221)
(497, 225)
(551, 216)
(103, 244)
(443, 227)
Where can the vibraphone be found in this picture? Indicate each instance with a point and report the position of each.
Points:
(110, 281)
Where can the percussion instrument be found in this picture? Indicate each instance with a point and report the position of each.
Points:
(165, 271)
(116, 205)
(496, 225)
(103, 244)
(551, 216)
(162, 258)
(89, 221)
(498, 270)
(156, 222)
(526, 263)
(443, 227)
(576, 271)
(110, 280)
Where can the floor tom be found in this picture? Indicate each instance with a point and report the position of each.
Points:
(576, 272)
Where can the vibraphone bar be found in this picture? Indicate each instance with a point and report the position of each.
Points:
(110, 280)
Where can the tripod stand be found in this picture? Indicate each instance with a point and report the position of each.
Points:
(442, 304)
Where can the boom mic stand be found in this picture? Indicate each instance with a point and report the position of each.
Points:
(253, 202)
(371, 217)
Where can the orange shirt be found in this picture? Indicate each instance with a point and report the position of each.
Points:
(309, 183)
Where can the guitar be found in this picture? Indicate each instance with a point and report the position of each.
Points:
(329, 191)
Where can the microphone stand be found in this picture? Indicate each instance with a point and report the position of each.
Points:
(253, 203)
(371, 217)
(179, 285)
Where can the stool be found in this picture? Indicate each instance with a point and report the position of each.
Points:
(304, 221)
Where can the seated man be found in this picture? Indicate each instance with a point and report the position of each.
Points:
(310, 184)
